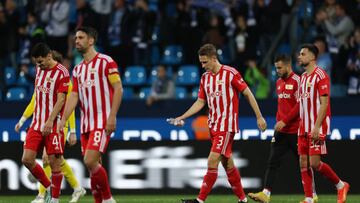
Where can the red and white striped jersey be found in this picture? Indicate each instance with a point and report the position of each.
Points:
(312, 86)
(221, 92)
(95, 91)
(287, 92)
(48, 83)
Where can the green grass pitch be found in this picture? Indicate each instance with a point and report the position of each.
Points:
(176, 199)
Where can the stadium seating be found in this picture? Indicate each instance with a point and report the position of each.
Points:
(16, 94)
(172, 55)
(128, 93)
(144, 92)
(180, 93)
(153, 74)
(22, 81)
(188, 75)
(134, 75)
(338, 90)
(194, 92)
(224, 55)
(10, 76)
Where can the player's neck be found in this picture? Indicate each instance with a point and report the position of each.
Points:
(89, 55)
(51, 64)
(310, 68)
(216, 68)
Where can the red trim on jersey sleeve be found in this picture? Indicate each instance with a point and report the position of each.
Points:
(239, 83)
(201, 93)
(324, 87)
(75, 85)
(63, 85)
(293, 114)
(111, 68)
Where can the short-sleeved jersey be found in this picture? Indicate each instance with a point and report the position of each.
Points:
(287, 93)
(312, 87)
(221, 92)
(48, 83)
(90, 81)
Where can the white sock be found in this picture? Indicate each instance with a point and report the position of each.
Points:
(77, 189)
(314, 194)
(309, 200)
(199, 200)
(54, 200)
(340, 185)
(267, 192)
(243, 200)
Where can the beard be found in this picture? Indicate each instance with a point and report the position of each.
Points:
(303, 64)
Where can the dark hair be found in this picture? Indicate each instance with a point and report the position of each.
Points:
(40, 50)
(283, 57)
(207, 50)
(90, 31)
(312, 48)
(57, 56)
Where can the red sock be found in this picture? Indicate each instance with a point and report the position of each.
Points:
(100, 178)
(208, 183)
(235, 182)
(39, 174)
(96, 192)
(56, 178)
(306, 177)
(325, 170)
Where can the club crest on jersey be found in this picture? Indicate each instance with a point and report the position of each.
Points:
(308, 84)
(48, 79)
(289, 87)
(92, 70)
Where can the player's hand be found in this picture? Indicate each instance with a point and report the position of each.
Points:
(279, 125)
(17, 127)
(176, 121)
(60, 126)
(110, 125)
(72, 139)
(315, 133)
(261, 124)
(47, 128)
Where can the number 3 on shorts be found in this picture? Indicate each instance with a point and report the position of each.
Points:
(221, 139)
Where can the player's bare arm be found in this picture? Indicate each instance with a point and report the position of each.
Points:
(321, 116)
(117, 97)
(196, 107)
(61, 98)
(251, 99)
(69, 108)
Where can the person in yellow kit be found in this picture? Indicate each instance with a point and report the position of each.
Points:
(65, 168)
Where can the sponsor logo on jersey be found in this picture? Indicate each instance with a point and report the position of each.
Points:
(43, 89)
(216, 94)
(219, 82)
(87, 84)
(283, 95)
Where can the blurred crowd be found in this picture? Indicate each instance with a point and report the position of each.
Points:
(139, 32)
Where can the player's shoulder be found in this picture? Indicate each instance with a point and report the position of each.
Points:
(321, 73)
(295, 77)
(105, 57)
(230, 70)
(63, 70)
